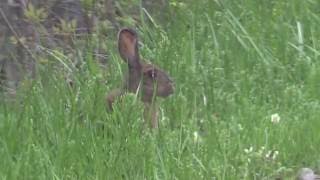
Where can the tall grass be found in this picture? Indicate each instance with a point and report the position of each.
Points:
(235, 64)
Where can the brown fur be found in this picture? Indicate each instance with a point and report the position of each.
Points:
(148, 79)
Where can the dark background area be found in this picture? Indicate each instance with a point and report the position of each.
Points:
(31, 29)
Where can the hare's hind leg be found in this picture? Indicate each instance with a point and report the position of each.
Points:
(112, 96)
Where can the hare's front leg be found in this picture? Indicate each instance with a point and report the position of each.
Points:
(151, 114)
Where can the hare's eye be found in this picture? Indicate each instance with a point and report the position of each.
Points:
(152, 73)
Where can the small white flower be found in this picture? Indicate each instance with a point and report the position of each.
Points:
(204, 100)
(261, 150)
(275, 154)
(268, 154)
(240, 127)
(249, 150)
(275, 118)
(272, 154)
(196, 137)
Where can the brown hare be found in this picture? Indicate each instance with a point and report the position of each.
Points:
(147, 80)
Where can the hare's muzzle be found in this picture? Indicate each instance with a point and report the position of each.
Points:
(167, 89)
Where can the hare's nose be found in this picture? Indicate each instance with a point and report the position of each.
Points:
(171, 80)
(172, 84)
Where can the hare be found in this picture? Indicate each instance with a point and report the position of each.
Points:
(147, 80)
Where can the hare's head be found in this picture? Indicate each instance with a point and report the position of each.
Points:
(150, 79)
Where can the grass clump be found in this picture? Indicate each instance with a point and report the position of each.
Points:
(235, 64)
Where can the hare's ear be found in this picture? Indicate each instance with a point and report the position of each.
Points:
(128, 46)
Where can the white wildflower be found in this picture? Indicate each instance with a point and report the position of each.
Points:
(204, 100)
(275, 118)
(240, 127)
(196, 137)
(275, 155)
(249, 160)
(272, 154)
(249, 150)
(261, 150)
